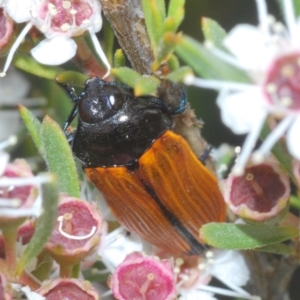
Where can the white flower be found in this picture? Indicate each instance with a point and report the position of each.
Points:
(270, 55)
(30, 294)
(223, 265)
(14, 207)
(116, 245)
(59, 21)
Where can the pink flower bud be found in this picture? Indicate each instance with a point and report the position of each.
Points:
(25, 232)
(260, 194)
(142, 277)
(74, 289)
(77, 231)
(6, 29)
(16, 198)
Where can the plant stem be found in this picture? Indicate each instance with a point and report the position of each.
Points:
(27, 280)
(10, 239)
(66, 271)
(87, 61)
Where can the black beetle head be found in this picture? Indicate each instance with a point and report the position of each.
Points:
(115, 127)
(100, 101)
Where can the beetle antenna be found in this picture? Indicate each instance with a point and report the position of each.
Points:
(75, 99)
(70, 91)
(183, 104)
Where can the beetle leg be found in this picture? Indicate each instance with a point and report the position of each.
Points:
(70, 136)
(204, 156)
(70, 118)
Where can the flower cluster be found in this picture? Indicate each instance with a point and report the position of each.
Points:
(269, 54)
(53, 244)
(60, 21)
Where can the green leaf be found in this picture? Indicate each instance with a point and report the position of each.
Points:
(126, 75)
(30, 65)
(71, 77)
(245, 236)
(59, 158)
(33, 126)
(146, 85)
(119, 59)
(280, 249)
(179, 74)
(295, 202)
(297, 7)
(175, 15)
(173, 62)
(206, 64)
(45, 222)
(154, 12)
(109, 40)
(165, 49)
(213, 31)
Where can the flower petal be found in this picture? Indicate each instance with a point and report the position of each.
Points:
(249, 45)
(20, 11)
(241, 110)
(55, 51)
(227, 264)
(293, 141)
(197, 294)
(96, 20)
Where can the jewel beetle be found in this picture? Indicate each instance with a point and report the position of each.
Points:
(152, 181)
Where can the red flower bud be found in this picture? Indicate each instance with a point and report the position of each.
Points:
(76, 233)
(260, 194)
(74, 289)
(142, 277)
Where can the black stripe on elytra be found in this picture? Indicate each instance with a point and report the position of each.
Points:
(196, 247)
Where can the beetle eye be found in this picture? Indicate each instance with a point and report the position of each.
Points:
(115, 97)
(87, 110)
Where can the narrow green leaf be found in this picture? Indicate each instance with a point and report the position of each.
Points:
(146, 86)
(109, 40)
(45, 222)
(154, 12)
(174, 5)
(71, 77)
(179, 74)
(165, 49)
(280, 249)
(30, 65)
(33, 126)
(59, 158)
(206, 64)
(173, 62)
(119, 59)
(175, 15)
(213, 31)
(295, 202)
(126, 75)
(297, 7)
(245, 236)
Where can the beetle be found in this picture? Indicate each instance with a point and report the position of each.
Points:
(152, 181)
